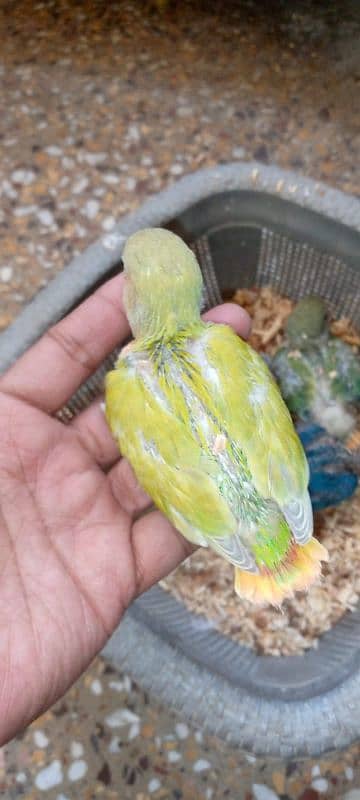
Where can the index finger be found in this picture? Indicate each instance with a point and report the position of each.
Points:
(51, 371)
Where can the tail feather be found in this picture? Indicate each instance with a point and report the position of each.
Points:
(299, 569)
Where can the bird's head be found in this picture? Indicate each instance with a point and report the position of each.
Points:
(307, 321)
(163, 283)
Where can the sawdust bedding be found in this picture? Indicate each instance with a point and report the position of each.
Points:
(205, 581)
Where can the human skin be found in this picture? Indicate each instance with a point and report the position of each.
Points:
(74, 548)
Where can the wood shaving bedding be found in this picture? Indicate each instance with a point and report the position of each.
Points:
(205, 582)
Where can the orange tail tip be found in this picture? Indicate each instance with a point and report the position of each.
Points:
(298, 571)
(353, 441)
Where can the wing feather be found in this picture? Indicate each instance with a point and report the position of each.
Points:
(168, 460)
(258, 420)
(299, 516)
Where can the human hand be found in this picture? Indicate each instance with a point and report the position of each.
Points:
(73, 550)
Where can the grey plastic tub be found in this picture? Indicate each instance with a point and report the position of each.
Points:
(248, 224)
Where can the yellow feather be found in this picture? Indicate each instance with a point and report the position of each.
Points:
(298, 574)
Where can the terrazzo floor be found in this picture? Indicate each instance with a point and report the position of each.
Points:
(108, 739)
(102, 104)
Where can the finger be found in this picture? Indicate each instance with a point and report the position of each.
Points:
(50, 371)
(95, 435)
(127, 490)
(158, 548)
(233, 315)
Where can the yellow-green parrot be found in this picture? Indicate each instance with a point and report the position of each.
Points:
(198, 415)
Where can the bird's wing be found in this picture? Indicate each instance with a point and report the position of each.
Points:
(155, 432)
(342, 366)
(256, 418)
(297, 379)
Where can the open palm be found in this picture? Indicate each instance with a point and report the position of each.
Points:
(74, 547)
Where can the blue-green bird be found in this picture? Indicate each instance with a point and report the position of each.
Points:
(198, 415)
(318, 374)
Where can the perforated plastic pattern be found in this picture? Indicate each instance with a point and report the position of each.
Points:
(296, 269)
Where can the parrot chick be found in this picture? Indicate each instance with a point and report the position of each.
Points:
(232, 476)
(318, 374)
(334, 470)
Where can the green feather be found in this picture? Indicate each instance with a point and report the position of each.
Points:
(307, 321)
(296, 375)
(271, 551)
(342, 366)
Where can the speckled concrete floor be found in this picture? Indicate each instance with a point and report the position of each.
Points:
(108, 739)
(101, 104)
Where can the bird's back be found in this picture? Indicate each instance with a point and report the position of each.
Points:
(206, 406)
